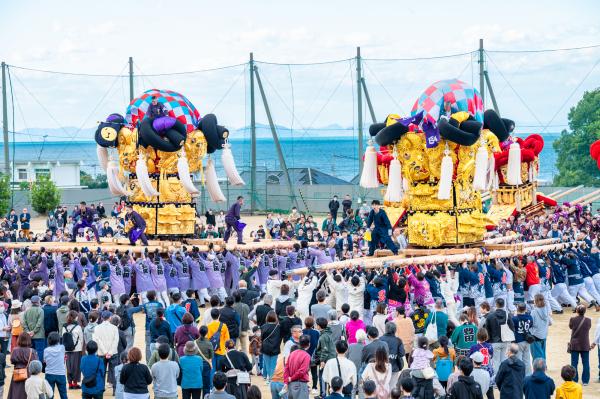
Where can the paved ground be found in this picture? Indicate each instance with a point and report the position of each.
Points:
(557, 357)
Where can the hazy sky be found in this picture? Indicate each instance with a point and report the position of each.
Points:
(172, 36)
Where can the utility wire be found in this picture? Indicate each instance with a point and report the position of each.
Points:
(545, 50)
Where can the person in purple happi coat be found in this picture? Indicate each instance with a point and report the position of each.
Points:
(157, 272)
(200, 281)
(232, 270)
(262, 272)
(137, 230)
(232, 219)
(143, 277)
(184, 276)
(117, 284)
(86, 219)
(170, 275)
(215, 276)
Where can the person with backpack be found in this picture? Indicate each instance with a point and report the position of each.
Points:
(72, 339)
(92, 368)
(218, 334)
(443, 360)
(187, 331)
(466, 387)
(271, 344)
(15, 321)
(380, 372)
(125, 312)
(395, 350)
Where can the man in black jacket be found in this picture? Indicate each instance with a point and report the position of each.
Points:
(493, 324)
(231, 318)
(466, 387)
(259, 313)
(346, 204)
(396, 351)
(334, 205)
(511, 375)
(248, 296)
(368, 352)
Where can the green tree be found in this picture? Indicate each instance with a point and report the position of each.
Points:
(90, 182)
(4, 194)
(574, 163)
(45, 195)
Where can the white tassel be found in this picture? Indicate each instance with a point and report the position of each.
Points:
(368, 178)
(491, 173)
(212, 184)
(112, 177)
(481, 168)
(102, 153)
(518, 201)
(229, 165)
(405, 185)
(183, 170)
(141, 170)
(513, 170)
(447, 170)
(394, 189)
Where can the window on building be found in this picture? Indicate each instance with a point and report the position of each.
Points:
(42, 173)
(22, 174)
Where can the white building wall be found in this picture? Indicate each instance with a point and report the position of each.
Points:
(63, 175)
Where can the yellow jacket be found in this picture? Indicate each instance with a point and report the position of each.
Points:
(213, 326)
(569, 390)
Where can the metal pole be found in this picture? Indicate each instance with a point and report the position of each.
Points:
(491, 90)
(481, 68)
(276, 139)
(5, 123)
(359, 110)
(130, 79)
(252, 139)
(368, 98)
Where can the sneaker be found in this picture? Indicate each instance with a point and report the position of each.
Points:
(315, 391)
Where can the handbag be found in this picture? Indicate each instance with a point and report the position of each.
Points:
(431, 332)
(44, 394)
(243, 377)
(90, 380)
(569, 350)
(21, 374)
(506, 334)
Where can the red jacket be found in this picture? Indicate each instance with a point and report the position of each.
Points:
(533, 274)
(297, 367)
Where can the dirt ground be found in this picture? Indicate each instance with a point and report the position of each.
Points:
(557, 356)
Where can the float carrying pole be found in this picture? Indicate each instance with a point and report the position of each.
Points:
(368, 98)
(130, 79)
(276, 139)
(253, 139)
(481, 72)
(359, 110)
(5, 123)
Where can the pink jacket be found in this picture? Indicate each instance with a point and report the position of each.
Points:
(352, 326)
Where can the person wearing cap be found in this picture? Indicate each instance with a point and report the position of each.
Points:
(156, 109)
(33, 324)
(479, 374)
(106, 335)
(191, 371)
(382, 229)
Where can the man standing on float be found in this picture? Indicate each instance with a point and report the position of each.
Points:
(137, 228)
(382, 229)
(232, 220)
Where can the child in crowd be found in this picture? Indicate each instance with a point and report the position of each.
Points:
(421, 356)
(255, 345)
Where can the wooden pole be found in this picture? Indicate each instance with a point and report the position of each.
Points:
(397, 261)
(554, 193)
(569, 191)
(585, 197)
